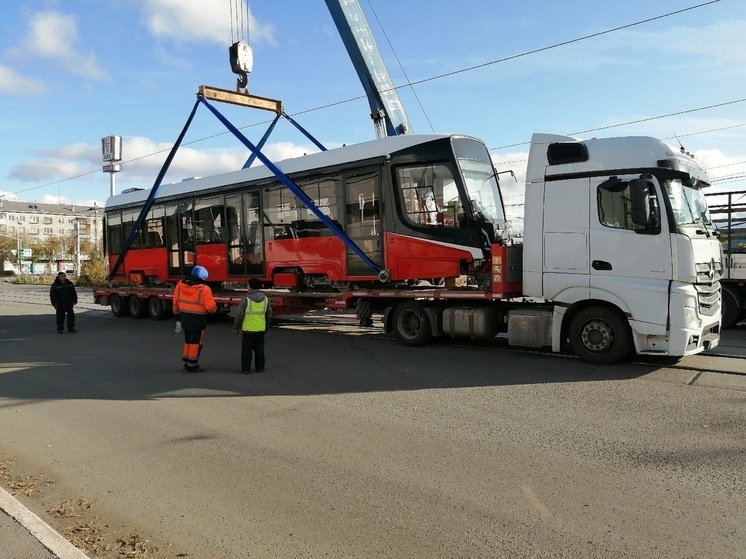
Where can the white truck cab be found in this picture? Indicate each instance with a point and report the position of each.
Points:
(617, 234)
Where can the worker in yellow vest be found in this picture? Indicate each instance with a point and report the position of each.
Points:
(193, 301)
(253, 319)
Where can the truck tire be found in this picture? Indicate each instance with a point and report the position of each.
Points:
(600, 335)
(156, 308)
(118, 308)
(411, 324)
(137, 307)
(731, 309)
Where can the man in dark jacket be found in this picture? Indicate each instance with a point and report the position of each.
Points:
(64, 298)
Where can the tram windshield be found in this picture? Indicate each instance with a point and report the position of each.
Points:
(481, 182)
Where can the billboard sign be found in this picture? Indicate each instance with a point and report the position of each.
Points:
(111, 148)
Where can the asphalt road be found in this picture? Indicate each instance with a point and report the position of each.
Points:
(351, 445)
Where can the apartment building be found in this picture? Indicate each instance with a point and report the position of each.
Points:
(34, 222)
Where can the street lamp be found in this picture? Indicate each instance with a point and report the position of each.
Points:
(77, 248)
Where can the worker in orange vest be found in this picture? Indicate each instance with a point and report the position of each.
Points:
(193, 301)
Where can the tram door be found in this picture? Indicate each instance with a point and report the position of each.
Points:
(245, 244)
(363, 220)
(179, 238)
(253, 236)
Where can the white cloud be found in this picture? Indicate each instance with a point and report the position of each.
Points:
(142, 161)
(7, 195)
(708, 48)
(13, 83)
(197, 20)
(45, 170)
(54, 36)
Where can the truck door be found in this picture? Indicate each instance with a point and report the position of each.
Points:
(630, 251)
(566, 267)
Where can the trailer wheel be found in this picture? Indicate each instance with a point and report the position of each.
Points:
(156, 308)
(600, 336)
(411, 324)
(118, 308)
(137, 307)
(731, 312)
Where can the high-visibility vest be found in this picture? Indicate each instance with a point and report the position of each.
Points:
(194, 299)
(254, 320)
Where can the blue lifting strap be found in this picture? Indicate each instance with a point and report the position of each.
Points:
(302, 196)
(153, 192)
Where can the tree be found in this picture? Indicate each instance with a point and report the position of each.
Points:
(7, 247)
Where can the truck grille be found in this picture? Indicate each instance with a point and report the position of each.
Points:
(708, 272)
(708, 295)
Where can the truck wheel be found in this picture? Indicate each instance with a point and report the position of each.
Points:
(600, 336)
(118, 308)
(156, 308)
(137, 307)
(731, 311)
(411, 324)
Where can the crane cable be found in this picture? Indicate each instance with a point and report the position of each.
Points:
(401, 67)
(240, 17)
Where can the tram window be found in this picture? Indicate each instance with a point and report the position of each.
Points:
(278, 212)
(114, 233)
(323, 193)
(253, 239)
(363, 205)
(186, 218)
(153, 233)
(233, 225)
(172, 226)
(209, 220)
(129, 218)
(430, 196)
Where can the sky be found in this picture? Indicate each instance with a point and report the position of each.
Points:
(75, 71)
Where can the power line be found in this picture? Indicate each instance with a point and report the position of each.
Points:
(687, 111)
(406, 76)
(235, 15)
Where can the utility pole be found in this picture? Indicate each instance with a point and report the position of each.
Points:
(18, 250)
(77, 249)
(95, 227)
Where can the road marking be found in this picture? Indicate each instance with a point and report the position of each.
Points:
(59, 546)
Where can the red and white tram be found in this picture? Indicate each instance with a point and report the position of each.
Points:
(417, 206)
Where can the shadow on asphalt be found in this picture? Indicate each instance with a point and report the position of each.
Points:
(130, 359)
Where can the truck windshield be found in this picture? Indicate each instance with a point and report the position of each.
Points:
(688, 204)
(481, 183)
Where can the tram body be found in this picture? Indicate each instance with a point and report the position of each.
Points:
(418, 206)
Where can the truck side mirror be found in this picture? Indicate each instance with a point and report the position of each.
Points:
(642, 212)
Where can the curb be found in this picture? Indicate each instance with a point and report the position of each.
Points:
(59, 546)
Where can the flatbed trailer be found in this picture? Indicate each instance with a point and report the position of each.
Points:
(414, 314)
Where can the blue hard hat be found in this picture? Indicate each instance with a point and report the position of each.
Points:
(200, 272)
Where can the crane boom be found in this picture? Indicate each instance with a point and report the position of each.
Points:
(387, 111)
